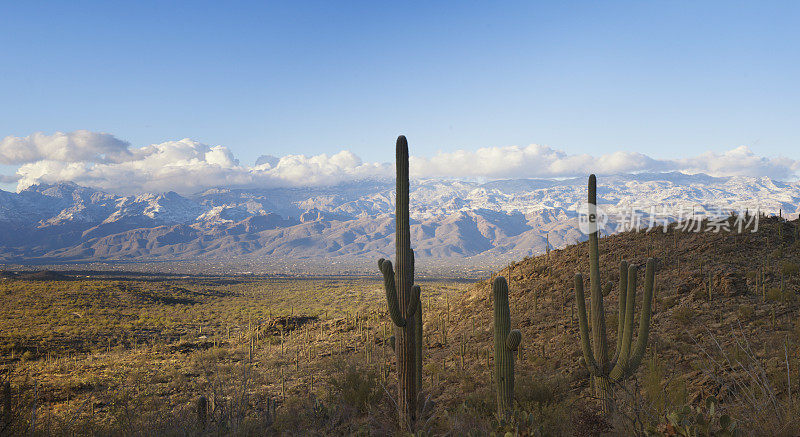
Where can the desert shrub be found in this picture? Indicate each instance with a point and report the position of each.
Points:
(676, 391)
(700, 293)
(660, 391)
(355, 387)
(303, 415)
(669, 302)
(684, 314)
(551, 420)
(789, 268)
(465, 419)
(653, 374)
(534, 391)
(588, 421)
(745, 311)
(774, 294)
(542, 408)
(481, 400)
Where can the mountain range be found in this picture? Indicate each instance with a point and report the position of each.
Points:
(452, 220)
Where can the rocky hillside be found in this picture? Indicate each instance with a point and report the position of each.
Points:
(734, 342)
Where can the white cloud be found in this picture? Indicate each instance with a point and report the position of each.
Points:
(78, 146)
(530, 161)
(188, 166)
(535, 161)
(105, 162)
(740, 161)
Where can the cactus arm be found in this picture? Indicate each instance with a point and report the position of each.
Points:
(644, 319)
(513, 339)
(583, 324)
(414, 303)
(607, 288)
(411, 263)
(623, 294)
(391, 292)
(618, 371)
(598, 314)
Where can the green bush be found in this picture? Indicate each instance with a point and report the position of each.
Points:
(355, 387)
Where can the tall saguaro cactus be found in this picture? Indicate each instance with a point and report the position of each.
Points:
(603, 370)
(418, 344)
(506, 342)
(402, 297)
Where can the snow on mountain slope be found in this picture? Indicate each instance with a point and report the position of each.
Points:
(451, 219)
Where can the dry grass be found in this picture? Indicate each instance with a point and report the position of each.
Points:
(111, 356)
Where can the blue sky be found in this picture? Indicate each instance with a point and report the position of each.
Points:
(664, 78)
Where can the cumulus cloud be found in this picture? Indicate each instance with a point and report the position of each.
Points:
(535, 161)
(530, 161)
(740, 161)
(78, 146)
(187, 166)
(105, 162)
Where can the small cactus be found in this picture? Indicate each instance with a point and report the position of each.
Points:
(547, 245)
(202, 411)
(710, 286)
(506, 342)
(7, 402)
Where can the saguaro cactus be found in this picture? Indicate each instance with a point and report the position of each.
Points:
(605, 371)
(402, 297)
(202, 411)
(506, 342)
(418, 344)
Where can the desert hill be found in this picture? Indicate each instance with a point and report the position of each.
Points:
(733, 342)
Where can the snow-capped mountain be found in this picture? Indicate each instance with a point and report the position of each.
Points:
(492, 221)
